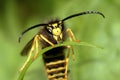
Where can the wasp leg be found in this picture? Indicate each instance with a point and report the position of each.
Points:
(30, 53)
(73, 56)
(37, 46)
(71, 35)
(67, 59)
(47, 40)
(72, 38)
(66, 68)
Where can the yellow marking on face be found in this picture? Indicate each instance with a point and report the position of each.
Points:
(54, 25)
(56, 31)
(61, 36)
(58, 38)
(60, 22)
(55, 37)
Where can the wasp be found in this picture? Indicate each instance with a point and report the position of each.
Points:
(51, 33)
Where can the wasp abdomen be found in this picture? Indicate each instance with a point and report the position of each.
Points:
(55, 63)
(56, 70)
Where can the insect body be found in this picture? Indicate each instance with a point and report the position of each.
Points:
(51, 33)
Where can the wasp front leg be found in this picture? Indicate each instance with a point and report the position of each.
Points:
(33, 47)
(71, 35)
(72, 38)
(45, 39)
(67, 59)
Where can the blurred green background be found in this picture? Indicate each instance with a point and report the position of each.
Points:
(90, 63)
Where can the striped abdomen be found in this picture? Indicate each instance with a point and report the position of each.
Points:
(56, 64)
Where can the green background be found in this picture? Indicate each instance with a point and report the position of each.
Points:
(90, 63)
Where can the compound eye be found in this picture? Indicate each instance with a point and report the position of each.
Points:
(60, 26)
(49, 29)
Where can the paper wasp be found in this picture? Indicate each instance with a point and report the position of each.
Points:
(51, 33)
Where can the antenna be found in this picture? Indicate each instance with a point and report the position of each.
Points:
(83, 13)
(35, 26)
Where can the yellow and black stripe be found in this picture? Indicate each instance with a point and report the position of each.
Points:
(56, 64)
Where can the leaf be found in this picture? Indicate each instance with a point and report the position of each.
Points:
(70, 43)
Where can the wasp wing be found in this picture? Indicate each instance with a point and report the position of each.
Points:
(27, 47)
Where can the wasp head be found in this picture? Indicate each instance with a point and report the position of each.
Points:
(56, 29)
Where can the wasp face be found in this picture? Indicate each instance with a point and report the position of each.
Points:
(56, 30)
